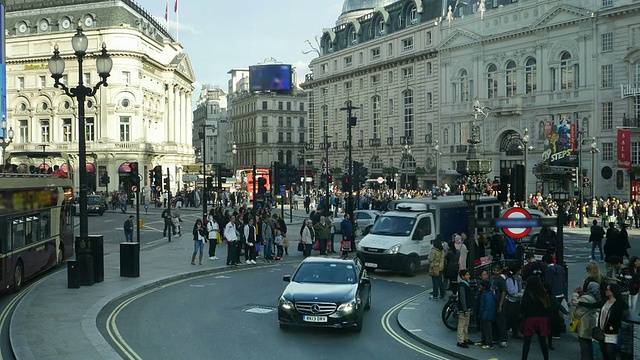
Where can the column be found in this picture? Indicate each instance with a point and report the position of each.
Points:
(169, 112)
(176, 113)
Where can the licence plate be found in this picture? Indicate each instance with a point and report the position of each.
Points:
(309, 318)
(371, 265)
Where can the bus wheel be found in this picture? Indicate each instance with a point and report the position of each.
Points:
(17, 277)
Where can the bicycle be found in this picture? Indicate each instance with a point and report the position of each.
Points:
(450, 313)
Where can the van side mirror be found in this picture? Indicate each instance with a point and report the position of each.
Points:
(286, 278)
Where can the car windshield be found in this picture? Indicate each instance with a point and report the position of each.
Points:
(393, 226)
(94, 200)
(326, 273)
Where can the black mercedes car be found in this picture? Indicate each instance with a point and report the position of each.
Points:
(326, 292)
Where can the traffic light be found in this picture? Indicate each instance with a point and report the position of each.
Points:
(292, 175)
(517, 182)
(167, 183)
(134, 175)
(585, 182)
(345, 183)
(574, 175)
(262, 186)
(209, 183)
(330, 178)
(281, 173)
(151, 176)
(362, 174)
(353, 121)
(157, 177)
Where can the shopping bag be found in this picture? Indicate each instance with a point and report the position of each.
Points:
(300, 246)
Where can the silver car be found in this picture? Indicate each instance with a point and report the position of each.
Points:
(366, 219)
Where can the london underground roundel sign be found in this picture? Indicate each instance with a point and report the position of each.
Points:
(515, 214)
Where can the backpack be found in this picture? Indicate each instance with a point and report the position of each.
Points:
(511, 246)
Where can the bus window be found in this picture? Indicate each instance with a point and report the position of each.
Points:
(18, 233)
(5, 236)
(45, 229)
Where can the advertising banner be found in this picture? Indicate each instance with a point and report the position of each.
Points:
(559, 141)
(624, 149)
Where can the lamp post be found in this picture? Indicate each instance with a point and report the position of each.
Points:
(471, 197)
(4, 143)
(560, 196)
(327, 171)
(406, 156)
(203, 137)
(436, 148)
(594, 150)
(526, 148)
(234, 151)
(301, 162)
(79, 42)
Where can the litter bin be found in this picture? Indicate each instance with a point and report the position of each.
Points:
(96, 245)
(73, 278)
(130, 259)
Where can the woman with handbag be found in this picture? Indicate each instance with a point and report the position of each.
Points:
(436, 265)
(609, 321)
(307, 238)
(213, 233)
(586, 304)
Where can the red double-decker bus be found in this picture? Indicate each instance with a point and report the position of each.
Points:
(248, 174)
(36, 226)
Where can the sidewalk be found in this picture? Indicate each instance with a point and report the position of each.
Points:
(421, 319)
(54, 322)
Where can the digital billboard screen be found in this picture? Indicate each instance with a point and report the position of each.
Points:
(273, 77)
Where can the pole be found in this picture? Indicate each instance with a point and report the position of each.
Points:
(290, 204)
(255, 192)
(169, 205)
(560, 234)
(471, 262)
(138, 214)
(327, 145)
(580, 182)
(204, 173)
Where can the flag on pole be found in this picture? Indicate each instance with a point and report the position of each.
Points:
(166, 12)
(175, 6)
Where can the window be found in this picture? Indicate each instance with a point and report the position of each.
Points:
(348, 86)
(289, 137)
(265, 121)
(264, 105)
(375, 115)
(89, 127)
(408, 113)
(429, 100)
(87, 79)
(301, 138)
(607, 115)
(288, 121)
(391, 109)
(301, 122)
(265, 137)
(44, 129)
(280, 137)
(21, 82)
(407, 44)
(389, 49)
(301, 106)
(635, 153)
(375, 53)
(375, 80)
(457, 133)
(607, 2)
(280, 105)
(381, 27)
(324, 68)
(42, 81)
(407, 73)
(348, 61)
(280, 121)
(568, 79)
(607, 75)
(354, 36)
(413, 15)
(607, 42)
(464, 85)
(400, 21)
(390, 77)
(361, 82)
(125, 130)
(530, 73)
(24, 132)
(126, 77)
(67, 130)
(288, 105)
(492, 81)
(510, 78)
(429, 38)
(325, 119)
(429, 68)
(635, 36)
(607, 151)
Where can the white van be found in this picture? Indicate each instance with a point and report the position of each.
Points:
(401, 239)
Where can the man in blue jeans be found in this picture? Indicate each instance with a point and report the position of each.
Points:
(597, 233)
(267, 237)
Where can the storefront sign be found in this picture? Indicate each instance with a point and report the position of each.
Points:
(629, 90)
(624, 149)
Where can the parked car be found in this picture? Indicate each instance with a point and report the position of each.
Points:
(366, 219)
(95, 205)
(326, 292)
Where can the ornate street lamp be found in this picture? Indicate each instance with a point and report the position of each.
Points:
(594, 150)
(560, 196)
(79, 42)
(436, 148)
(474, 169)
(524, 147)
(4, 143)
(471, 197)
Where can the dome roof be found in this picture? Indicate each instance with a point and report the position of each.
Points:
(355, 5)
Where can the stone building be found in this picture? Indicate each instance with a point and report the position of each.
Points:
(143, 115)
(211, 120)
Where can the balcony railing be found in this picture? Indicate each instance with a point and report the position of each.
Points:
(390, 141)
(458, 149)
(361, 143)
(428, 138)
(375, 142)
(345, 145)
(406, 140)
(630, 122)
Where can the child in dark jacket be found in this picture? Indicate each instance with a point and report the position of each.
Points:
(487, 314)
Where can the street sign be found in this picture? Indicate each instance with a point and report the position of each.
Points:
(518, 224)
(380, 180)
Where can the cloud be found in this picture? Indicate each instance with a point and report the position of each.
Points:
(173, 25)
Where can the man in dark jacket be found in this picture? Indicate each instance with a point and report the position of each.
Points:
(613, 247)
(554, 276)
(465, 304)
(346, 227)
(597, 233)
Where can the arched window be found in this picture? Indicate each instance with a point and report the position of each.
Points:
(354, 36)
(510, 78)
(413, 15)
(566, 76)
(375, 115)
(492, 81)
(407, 101)
(530, 76)
(464, 85)
(381, 26)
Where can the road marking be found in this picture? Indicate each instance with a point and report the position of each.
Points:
(385, 321)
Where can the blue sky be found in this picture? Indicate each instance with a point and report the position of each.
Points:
(219, 35)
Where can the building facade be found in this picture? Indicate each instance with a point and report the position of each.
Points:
(144, 115)
(265, 126)
(557, 80)
(210, 127)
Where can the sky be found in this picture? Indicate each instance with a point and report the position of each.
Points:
(219, 35)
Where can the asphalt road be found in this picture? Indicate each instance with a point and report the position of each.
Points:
(231, 314)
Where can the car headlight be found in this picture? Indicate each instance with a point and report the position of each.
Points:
(285, 304)
(394, 249)
(348, 306)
